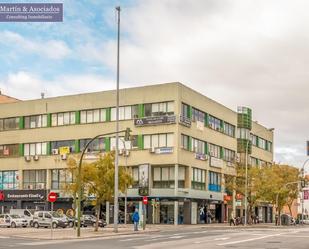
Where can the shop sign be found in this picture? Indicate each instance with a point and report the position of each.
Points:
(24, 195)
(184, 121)
(155, 120)
(202, 157)
(164, 150)
(216, 162)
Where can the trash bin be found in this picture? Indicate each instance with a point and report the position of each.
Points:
(285, 219)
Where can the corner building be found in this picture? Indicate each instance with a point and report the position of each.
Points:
(183, 146)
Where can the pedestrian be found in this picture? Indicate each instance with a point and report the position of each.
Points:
(232, 219)
(135, 219)
(277, 219)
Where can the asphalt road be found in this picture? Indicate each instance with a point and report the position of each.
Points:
(253, 238)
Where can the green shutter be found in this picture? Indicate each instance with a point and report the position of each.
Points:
(21, 149)
(221, 152)
(141, 110)
(48, 120)
(77, 146)
(190, 111)
(108, 114)
(107, 142)
(21, 123)
(77, 117)
(140, 142)
(48, 148)
(190, 143)
(206, 148)
(222, 124)
(206, 119)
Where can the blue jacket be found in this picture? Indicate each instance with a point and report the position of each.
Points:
(135, 217)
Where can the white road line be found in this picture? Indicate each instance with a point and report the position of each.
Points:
(247, 240)
(222, 238)
(176, 237)
(4, 237)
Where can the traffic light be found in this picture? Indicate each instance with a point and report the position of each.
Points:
(127, 135)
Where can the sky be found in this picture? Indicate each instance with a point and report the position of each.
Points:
(237, 52)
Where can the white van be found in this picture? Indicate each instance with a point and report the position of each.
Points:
(26, 213)
(12, 220)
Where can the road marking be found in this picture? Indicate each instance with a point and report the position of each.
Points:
(4, 237)
(247, 240)
(222, 238)
(176, 237)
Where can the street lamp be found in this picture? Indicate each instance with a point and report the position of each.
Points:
(79, 187)
(246, 178)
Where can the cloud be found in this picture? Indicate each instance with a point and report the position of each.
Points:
(52, 49)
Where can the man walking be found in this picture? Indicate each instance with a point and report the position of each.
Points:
(135, 219)
(232, 219)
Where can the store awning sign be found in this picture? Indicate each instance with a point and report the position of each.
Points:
(24, 195)
(155, 120)
(31, 12)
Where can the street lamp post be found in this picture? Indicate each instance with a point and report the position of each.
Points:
(79, 187)
(117, 129)
(246, 174)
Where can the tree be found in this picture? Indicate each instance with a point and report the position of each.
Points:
(100, 181)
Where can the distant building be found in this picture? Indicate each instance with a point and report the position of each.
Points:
(183, 146)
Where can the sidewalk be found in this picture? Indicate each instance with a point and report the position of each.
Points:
(70, 233)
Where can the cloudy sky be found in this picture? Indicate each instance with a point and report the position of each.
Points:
(237, 52)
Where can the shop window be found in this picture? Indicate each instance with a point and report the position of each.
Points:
(9, 179)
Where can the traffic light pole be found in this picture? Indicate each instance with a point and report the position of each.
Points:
(79, 187)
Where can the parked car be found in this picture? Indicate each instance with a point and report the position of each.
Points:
(90, 220)
(48, 218)
(72, 219)
(26, 213)
(12, 220)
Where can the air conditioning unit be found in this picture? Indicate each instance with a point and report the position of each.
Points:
(27, 158)
(55, 151)
(36, 157)
(63, 157)
(120, 152)
(152, 150)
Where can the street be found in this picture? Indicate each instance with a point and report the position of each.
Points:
(212, 238)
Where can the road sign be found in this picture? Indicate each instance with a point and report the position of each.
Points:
(52, 197)
(145, 200)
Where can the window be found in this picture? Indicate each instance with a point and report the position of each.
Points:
(35, 149)
(122, 144)
(125, 112)
(9, 124)
(228, 155)
(158, 140)
(214, 123)
(254, 140)
(198, 146)
(261, 143)
(67, 143)
(198, 179)
(229, 129)
(95, 146)
(159, 109)
(185, 142)
(36, 121)
(214, 150)
(214, 181)
(61, 178)
(185, 110)
(9, 179)
(269, 146)
(198, 115)
(135, 176)
(164, 177)
(34, 179)
(10, 150)
(92, 116)
(243, 133)
(181, 176)
(63, 118)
